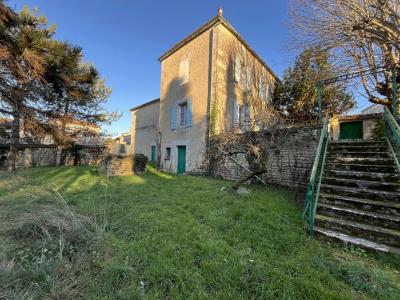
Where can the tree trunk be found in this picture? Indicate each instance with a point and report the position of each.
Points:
(14, 141)
(158, 143)
(243, 180)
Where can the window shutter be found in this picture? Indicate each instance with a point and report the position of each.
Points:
(248, 78)
(173, 117)
(189, 113)
(260, 87)
(237, 68)
(267, 91)
(235, 114)
(247, 117)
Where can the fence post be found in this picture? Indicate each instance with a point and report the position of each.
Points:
(395, 108)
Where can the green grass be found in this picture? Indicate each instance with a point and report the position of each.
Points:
(71, 233)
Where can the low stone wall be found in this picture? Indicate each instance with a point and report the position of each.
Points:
(48, 155)
(117, 165)
(289, 164)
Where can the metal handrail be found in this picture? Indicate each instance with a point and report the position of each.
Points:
(312, 195)
(392, 134)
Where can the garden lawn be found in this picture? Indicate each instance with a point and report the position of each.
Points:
(71, 233)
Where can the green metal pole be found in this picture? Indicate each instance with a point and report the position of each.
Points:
(395, 108)
(319, 102)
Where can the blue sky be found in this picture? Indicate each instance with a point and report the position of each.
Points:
(125, 38)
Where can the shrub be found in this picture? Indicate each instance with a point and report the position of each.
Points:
(139, 162)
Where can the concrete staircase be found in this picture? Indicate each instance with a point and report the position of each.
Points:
(359, 199)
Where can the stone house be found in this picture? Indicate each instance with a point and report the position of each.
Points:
(207, 82)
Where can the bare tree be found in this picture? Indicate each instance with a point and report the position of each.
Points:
(362, 35)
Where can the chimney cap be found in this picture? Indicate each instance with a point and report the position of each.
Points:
(219, 11)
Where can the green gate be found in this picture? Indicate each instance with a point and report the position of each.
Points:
(351, 130)
(181, 159)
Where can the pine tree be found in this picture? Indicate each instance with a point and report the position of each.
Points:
(44, 81)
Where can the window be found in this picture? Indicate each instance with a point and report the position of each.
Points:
(183, 114)
(241, 116)
(260, 86)
(247, 117)
(184, 71)
(168, 153)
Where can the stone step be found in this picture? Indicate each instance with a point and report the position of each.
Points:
(359, 216)
(376, 234)
(373, 176)
(363, 184)
(361, 160)
(360, 167)
(356, 148)
(360, 154)
(348, 239)
(384, 207)
(360, 193)
(374, 143)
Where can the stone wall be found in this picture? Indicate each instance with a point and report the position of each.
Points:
(289, 161)
(47, 155)
(117, 165)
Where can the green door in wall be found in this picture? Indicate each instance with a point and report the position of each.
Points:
(181, 159)
(153, 153)
(351, 130)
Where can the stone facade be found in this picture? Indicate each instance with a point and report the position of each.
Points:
(289, 162)
(204, 79)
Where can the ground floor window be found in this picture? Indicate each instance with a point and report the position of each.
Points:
(168, 153)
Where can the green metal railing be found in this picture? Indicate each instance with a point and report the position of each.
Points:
(312, 195)
(392, 131)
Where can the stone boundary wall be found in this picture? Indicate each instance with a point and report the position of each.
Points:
(47, 155)
(289, 164)
(119, 165)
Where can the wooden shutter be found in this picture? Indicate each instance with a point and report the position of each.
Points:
(173, 117)
(247, 117)
(235, 114)
(248, 78)
(189, 113)
(260, 85)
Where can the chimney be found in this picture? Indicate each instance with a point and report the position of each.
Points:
(220, 12)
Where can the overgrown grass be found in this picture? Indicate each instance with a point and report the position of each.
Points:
(71, 233)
